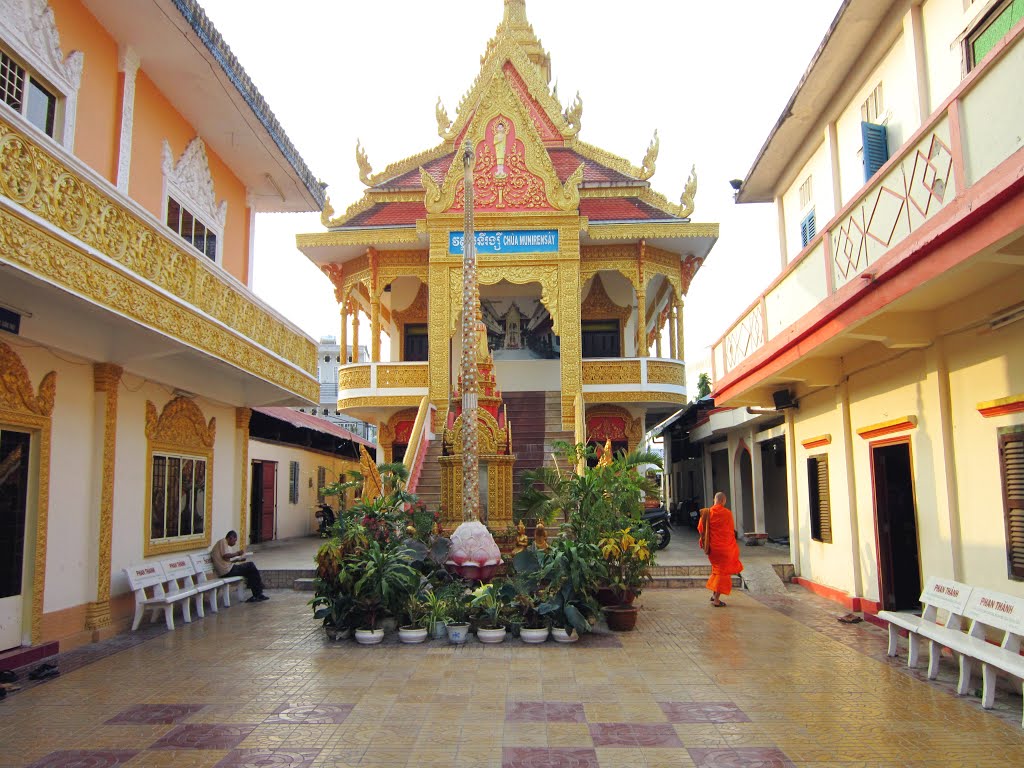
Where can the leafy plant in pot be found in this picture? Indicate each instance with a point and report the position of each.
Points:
(570, 572)
(382, 581)
(436, 616)
(523, 596)
(414, 630)
(458, 612)
(628, 558)
(489, 606)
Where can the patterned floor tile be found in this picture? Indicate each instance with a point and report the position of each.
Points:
(703, 712)
(311, 713)
(84, 759)
(204, 736)
(634, 735)
(747, 757)
(545, 712)
(257, 758)
(557, 757)
(155, 714)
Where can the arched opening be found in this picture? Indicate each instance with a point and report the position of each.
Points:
(746, 476)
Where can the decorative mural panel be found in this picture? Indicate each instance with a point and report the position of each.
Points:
(519, 328)
(744, 338)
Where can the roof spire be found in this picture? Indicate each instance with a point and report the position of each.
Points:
(515, 14)
(515, 26)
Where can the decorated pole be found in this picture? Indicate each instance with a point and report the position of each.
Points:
(470, 389)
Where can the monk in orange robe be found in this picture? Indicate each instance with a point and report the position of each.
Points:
(718, 539)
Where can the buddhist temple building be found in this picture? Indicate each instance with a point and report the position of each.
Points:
(583, 271)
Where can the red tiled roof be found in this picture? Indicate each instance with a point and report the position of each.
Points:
(567, 160)
(411, 179)
(620, 209)
(307, 421)
(389, 214)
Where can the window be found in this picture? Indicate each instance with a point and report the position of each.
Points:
(293, 482)
(191, 229)
(601, 338)
(27, 95)
(873, 109)
(415, 342)
(321, 481)
(808, 229)
(178, 497)
(817, 492)
(1011, 465)
(993, 28)
(876, 148)
(806, 192)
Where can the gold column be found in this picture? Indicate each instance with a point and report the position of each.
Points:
(439, 337)
(375, 329)
(680, 354)
(641, 323)
(242, 432)
(672, 331)
(657, 335)
(343, 338)
(106, 378)
(355, 332)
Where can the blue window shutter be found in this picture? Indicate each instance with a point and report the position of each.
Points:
(808, 229)
(876, 148)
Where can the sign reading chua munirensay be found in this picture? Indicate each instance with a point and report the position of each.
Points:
(524, 241)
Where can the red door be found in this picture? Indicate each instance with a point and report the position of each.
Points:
(268, 499)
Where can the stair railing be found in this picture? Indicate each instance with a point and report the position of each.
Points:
(419, 440)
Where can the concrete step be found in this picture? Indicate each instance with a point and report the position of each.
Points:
(304, 585)
(685, 582)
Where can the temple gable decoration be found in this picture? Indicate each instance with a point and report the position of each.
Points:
(513, 170)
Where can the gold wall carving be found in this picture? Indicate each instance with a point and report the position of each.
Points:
(242, 417)
(106, 378)
(440, 319)
(499, 491)
(633, 429)
(405, 375)
(22, 406)
(354, 377)
(639, 230)
(666, 373)
(395, 264)
(570, 333)
(179, 428)
(367, 237)
(636, 397)
(379, 401)
(610, 372)
(38, 181)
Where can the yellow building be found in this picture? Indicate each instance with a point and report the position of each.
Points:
(891, 339)
(134, 155)
(582, 267)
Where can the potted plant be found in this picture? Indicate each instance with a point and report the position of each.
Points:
(628, 558)
(487, 601)
(569, 572)
(382, 581)
(523, 597)
(415, 629)
(458, 613)
(436, 614)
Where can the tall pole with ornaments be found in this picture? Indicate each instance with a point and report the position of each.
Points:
(470, 389)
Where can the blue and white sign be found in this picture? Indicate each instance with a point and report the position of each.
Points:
(525, 241)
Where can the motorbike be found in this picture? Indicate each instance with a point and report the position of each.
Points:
(326, 518)
(658, 519)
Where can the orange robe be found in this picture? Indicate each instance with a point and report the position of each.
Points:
(725, 552)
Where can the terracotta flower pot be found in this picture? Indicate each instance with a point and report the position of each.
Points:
(621, 618)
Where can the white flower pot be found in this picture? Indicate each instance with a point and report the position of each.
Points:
(534, 635)
(369, 636)
(490, 635)
(412, 634)
(457, 633)
(562, 635)
(437, 630)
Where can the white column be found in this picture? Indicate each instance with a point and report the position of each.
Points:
(128, 66)
(756, 481)
(783, 248)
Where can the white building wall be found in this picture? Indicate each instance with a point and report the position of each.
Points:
(944, 22)
(819, 168)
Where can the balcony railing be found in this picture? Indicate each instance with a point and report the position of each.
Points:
(957, 145)
(382, 384)
(76, 231)
(636, 379)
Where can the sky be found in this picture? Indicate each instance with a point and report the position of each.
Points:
(712, 77)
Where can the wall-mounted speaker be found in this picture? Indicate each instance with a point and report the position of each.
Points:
(784, 399)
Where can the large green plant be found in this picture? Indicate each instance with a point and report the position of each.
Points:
(566, 576)
(382, 581)
(597, 500)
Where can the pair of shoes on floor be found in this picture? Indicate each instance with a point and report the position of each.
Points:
(7, 676)
(719, 604)
(850, 618)
(44, 672)
(257, 598)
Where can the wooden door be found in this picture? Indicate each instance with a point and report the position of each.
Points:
(14, 478)
(268, 510)
(896, 521)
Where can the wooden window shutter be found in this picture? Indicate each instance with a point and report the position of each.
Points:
(293, 482)
(1011, 460)
(876, 148)
(821, 512)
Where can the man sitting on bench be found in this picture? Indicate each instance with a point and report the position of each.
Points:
(228, 561)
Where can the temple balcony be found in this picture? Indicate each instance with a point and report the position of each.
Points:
(657, 383)
(882, 269)
(117, 284)
(364, 389)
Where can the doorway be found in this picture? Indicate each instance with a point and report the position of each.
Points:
(896, 521)
(14, 478)
(746, 473)
(263, 501)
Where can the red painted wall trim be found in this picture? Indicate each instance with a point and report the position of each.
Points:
(887, 428)
(1001, 407)
(817, 442)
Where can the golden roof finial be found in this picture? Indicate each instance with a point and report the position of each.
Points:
(515, 13)
(443, 121)
(574, 113)
(689, 193)
(365, 169)
(515, 26)
(651, 158)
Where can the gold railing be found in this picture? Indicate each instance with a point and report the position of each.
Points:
(611, 371)
(401, 376)
(354, 377)
(663, 372)
(413, 453)
(60, 191)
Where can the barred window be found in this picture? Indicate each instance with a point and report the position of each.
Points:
(293, 482)
(1011, 465)
(27, 95)
(817, 492)
(178, 500)
(321, 481)
(191, 229)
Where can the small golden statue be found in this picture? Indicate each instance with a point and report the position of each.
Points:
(522, 541)
(410, 530)
(606, 454)
(540, 536)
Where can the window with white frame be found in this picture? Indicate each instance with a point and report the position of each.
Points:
(178, 498)
(192, 209)
(993, 28)
(873, 108)
(27, 94)
(191, 229)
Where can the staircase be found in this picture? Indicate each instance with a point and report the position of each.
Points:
(536, 419)
(429, 486)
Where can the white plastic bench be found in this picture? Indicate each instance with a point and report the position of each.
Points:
(938, 593)
(202, 563)
(181, 573)
(992, 613)
(151, 577)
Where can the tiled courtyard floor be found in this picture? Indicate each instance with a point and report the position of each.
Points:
(775, 682)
